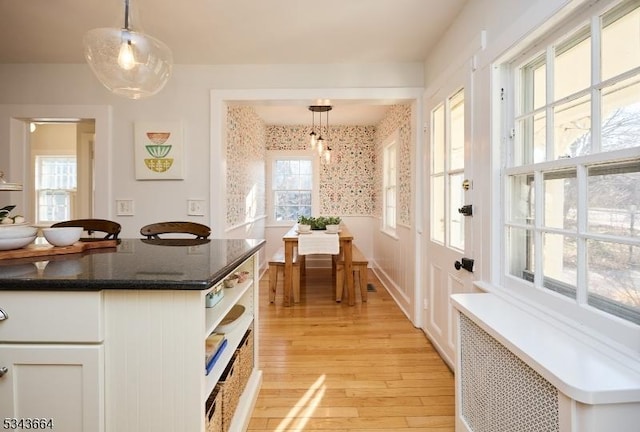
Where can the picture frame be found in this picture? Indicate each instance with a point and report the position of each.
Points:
(159, 150)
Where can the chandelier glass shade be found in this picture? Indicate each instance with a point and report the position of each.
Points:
(127, 61)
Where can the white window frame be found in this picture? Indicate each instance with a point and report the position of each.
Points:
(605, 327)
(390, 182)
(70, 193)
(278, 155)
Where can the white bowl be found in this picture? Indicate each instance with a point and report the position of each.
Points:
(62, 236)
(16, 243)
(14, 232)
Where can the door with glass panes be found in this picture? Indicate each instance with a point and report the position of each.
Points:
(447, 267)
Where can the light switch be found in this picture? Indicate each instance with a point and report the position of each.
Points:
(124, 207)
(195, 207)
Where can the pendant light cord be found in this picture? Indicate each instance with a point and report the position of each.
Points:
(126, 14)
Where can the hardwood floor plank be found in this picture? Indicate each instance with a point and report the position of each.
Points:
(328, 367)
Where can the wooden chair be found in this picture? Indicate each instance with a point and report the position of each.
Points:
(110, 228)
(153, 231)
(359, 264)
(276, 264)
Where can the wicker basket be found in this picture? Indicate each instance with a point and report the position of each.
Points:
(230, 385)
(213, 411)
(245, 355)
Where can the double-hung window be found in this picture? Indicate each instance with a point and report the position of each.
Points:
(390, 180)
(56, 187)
(293, 185)
(572, 170)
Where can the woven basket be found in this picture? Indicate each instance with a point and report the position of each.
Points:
(245, 355)
(230, 386)
(213, 409)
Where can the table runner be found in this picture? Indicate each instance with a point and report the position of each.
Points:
(318, 242)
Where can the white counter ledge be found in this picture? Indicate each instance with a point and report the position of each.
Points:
(577, 370)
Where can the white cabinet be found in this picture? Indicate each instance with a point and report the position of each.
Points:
(56, 385)
(155, 351)
(51, 360)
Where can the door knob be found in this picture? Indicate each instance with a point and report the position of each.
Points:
(467, 264)
(3, 371)
(3, 315)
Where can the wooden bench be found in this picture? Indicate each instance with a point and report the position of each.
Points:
(360, 265)
(276, 263)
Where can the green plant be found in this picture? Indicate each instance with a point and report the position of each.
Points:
(333, 220)
(306, 220)
(320, 222)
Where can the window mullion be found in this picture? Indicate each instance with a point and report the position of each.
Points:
(596, 69)
(537, 232)
(550, 120)
(582, 208)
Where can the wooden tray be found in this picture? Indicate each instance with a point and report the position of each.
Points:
(43, 250)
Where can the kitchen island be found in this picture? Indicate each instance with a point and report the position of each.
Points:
(113, 339)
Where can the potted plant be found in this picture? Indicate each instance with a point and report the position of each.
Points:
(332, 223)
(305, 223)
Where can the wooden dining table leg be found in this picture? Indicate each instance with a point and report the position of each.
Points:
(288, 273)
(348, 271)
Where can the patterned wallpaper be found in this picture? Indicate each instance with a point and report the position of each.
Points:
(346, 184)
(245, 155)
(349, 186)
(398, 117)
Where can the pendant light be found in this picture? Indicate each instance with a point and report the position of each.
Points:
(313, 137)
(326, 154)
(320, 139)
(319, 142)
(127, 61)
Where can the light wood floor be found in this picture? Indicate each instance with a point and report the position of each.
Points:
(331, 367)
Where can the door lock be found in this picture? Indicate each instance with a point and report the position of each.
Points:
(467, 264)
(466, 210)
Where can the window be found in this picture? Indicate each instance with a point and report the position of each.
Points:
(293, 186)
(447, 171)
(56, 187)
(573, 170)
(390, 180)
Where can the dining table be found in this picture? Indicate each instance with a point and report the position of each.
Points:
(290, 240)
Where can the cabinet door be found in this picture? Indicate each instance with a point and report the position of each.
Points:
(61, 383)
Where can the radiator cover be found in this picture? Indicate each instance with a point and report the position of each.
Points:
(499, 392)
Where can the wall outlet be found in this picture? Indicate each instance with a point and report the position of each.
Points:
(195, 207)
(124, 207)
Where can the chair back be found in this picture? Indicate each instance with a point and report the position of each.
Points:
(153, 231)
(110, 228)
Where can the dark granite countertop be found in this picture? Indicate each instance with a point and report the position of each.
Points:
(134, 264)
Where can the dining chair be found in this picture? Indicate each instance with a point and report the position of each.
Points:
(111, 229)
(154, 230)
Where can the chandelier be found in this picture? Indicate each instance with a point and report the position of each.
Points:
(318, 141)
(127, 61)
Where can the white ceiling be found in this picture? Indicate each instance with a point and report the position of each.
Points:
(215, 32)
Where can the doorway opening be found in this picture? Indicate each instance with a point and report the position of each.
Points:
(60, 169)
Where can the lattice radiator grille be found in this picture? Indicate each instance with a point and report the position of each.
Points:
(499, 392)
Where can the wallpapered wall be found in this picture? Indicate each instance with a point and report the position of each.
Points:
(346, 184)
(398, 117)
(349, 186)
(245, 166)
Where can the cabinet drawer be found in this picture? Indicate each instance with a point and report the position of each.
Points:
(51, 316)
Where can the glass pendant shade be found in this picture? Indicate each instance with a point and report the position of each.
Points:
(313, 140)
(126, 61)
